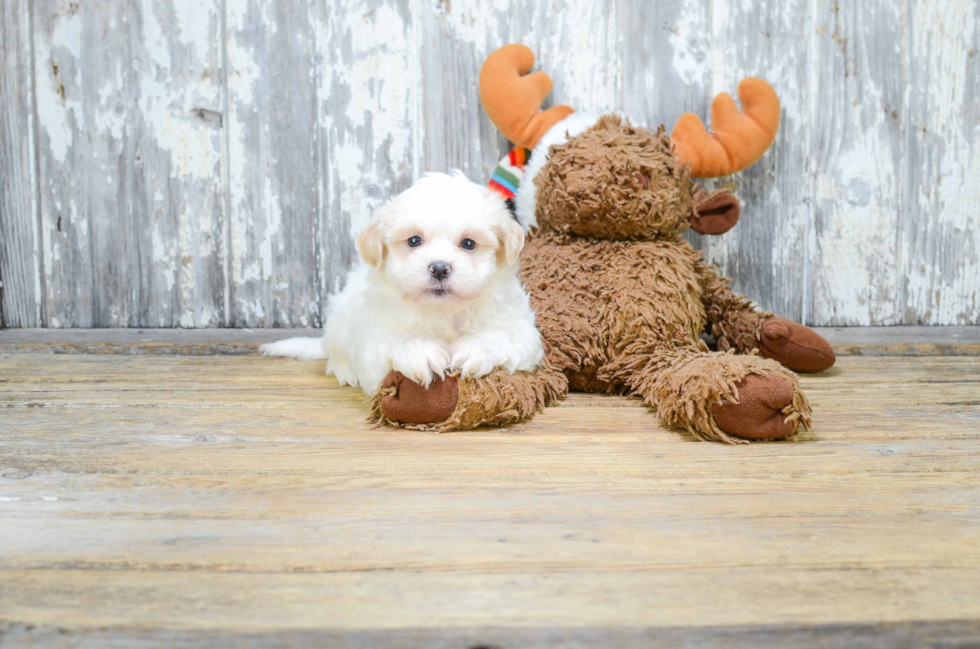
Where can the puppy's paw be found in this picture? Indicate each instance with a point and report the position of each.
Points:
(473, 356)
(421, 360)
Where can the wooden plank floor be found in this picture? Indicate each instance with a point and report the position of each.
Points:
(243, 501)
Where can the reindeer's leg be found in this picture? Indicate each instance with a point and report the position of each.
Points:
(737, 325)
(718, 396)
(497, 399)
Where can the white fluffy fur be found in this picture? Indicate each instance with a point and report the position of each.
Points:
(560, 133)
(393, 314)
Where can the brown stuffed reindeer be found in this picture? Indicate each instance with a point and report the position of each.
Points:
(621, 299)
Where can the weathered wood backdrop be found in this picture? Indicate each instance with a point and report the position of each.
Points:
(204, 163)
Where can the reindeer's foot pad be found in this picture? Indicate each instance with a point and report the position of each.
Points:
(729, 398)
(759, 413)
(794, 346)
(451, 403)
(406, 402)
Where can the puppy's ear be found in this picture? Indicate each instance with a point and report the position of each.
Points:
(371, 242)
(511, 236)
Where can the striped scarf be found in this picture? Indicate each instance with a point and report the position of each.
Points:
(509, 172)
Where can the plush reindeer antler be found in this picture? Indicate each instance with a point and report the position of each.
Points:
(512, 98)
(737, 139)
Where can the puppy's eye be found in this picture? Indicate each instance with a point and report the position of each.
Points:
(467, 244)
(414, 242)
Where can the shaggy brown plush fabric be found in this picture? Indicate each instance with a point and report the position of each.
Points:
(621, 300)
(496, 399)
(734, 323)
(615, 182)
(625, 317)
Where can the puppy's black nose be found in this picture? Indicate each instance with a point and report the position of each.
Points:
(440, 269)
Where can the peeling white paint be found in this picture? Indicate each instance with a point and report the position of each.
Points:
(163, 259)
(192, 146)
(52, 52)
(111, 118)
(684, 39)
(895, 109)
(378, 79)
(582, 47)
(168, 114)
(857, 262)
(943, 262)
(194, 20)
(243, 73)
(858, 241)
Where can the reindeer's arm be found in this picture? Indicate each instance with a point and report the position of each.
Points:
(732, 319)
(737, 324)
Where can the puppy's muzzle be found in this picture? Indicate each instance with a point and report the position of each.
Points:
(440, 270)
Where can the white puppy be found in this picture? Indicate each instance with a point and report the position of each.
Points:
(437, 292)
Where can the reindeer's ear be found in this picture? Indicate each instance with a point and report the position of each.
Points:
(716, 214)
(511, 236)
(371, 242)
